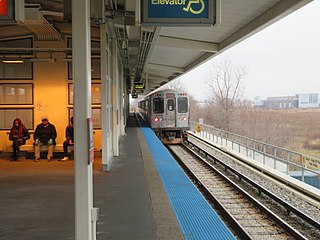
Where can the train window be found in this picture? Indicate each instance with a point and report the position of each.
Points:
(170, 104)
(158, 105)
(182, 105)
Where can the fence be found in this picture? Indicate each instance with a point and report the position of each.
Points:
(278, 158)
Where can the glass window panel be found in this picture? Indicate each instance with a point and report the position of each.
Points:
(16, 94)
(158, 105)
(95, 93)
(8, 115)
(170, 103)
(95, 69)
(16, 71)
(96, 116)
(17, 43)
(182, 105)
(94, 43)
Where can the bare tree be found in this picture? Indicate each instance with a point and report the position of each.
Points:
(225, 84)
(174, 84)
(196, 110)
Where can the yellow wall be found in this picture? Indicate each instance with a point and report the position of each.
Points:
(50, 95)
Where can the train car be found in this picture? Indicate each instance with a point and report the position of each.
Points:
(166, 112)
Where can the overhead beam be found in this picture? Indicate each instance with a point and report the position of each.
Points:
(187, 44)
(156, 78)
(165, 68)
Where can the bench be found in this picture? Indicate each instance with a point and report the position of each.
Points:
(57, 151)
(28, 149)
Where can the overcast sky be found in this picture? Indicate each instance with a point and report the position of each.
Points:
(282, 59)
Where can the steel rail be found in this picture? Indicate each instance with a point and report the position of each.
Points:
(225, 151)
(236, 225)
(262, 208)
(261, 189)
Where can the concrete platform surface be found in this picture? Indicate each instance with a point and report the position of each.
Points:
(37, 198)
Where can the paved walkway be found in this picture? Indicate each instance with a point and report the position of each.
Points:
(37, 198)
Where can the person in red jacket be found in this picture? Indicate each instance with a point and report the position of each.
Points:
(45, 134)
(19, 134)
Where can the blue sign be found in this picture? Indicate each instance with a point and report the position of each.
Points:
(178, 12)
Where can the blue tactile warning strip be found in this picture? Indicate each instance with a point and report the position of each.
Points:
(196, 217)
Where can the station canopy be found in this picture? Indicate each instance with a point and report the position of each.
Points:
(158, 51)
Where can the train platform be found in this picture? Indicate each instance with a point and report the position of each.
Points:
(144, 196)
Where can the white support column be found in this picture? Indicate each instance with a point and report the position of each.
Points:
(125, 103)
(104, 97)
(84, 223)
(110, 151)
(122, 104)
(116, 90)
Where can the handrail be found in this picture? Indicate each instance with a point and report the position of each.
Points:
(291, 159)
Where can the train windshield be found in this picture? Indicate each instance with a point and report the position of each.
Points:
(182, 105)
(158, 105)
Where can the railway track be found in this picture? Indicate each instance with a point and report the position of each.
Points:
(250, 218)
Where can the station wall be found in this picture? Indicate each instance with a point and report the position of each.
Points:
(50, 86)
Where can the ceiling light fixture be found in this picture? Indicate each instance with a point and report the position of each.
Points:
(13, 61)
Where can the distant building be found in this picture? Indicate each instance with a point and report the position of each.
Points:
(308, 100)
(305, 100)
(257, 102)
(287, 102)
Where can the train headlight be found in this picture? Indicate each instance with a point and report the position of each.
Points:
(185, 118)
(157, 119)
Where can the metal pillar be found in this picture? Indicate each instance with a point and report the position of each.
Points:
(122, 103)
(104, 96)
(115, 102)
(84, 223)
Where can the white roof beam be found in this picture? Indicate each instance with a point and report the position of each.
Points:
(153, 78)
(165, 68)
(187, 44)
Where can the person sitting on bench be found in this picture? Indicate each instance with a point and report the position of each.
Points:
(19, 134)
(69, 140)
(45, 134)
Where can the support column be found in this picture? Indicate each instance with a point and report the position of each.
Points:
(116, 92)
(122, 104)
(104, 97)
(84, 225)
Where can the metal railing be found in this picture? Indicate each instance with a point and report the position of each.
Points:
(278, 158)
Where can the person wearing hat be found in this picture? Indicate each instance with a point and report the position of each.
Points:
(69, 140)
(45, 134)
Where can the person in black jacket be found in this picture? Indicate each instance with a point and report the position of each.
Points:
(45, 134)
(19, 134)
(69, 140)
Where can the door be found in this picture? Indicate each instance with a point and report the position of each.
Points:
(171, 113)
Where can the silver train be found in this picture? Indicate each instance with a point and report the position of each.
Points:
(167, 114)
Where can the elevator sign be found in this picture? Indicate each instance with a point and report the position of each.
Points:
(178, 12)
